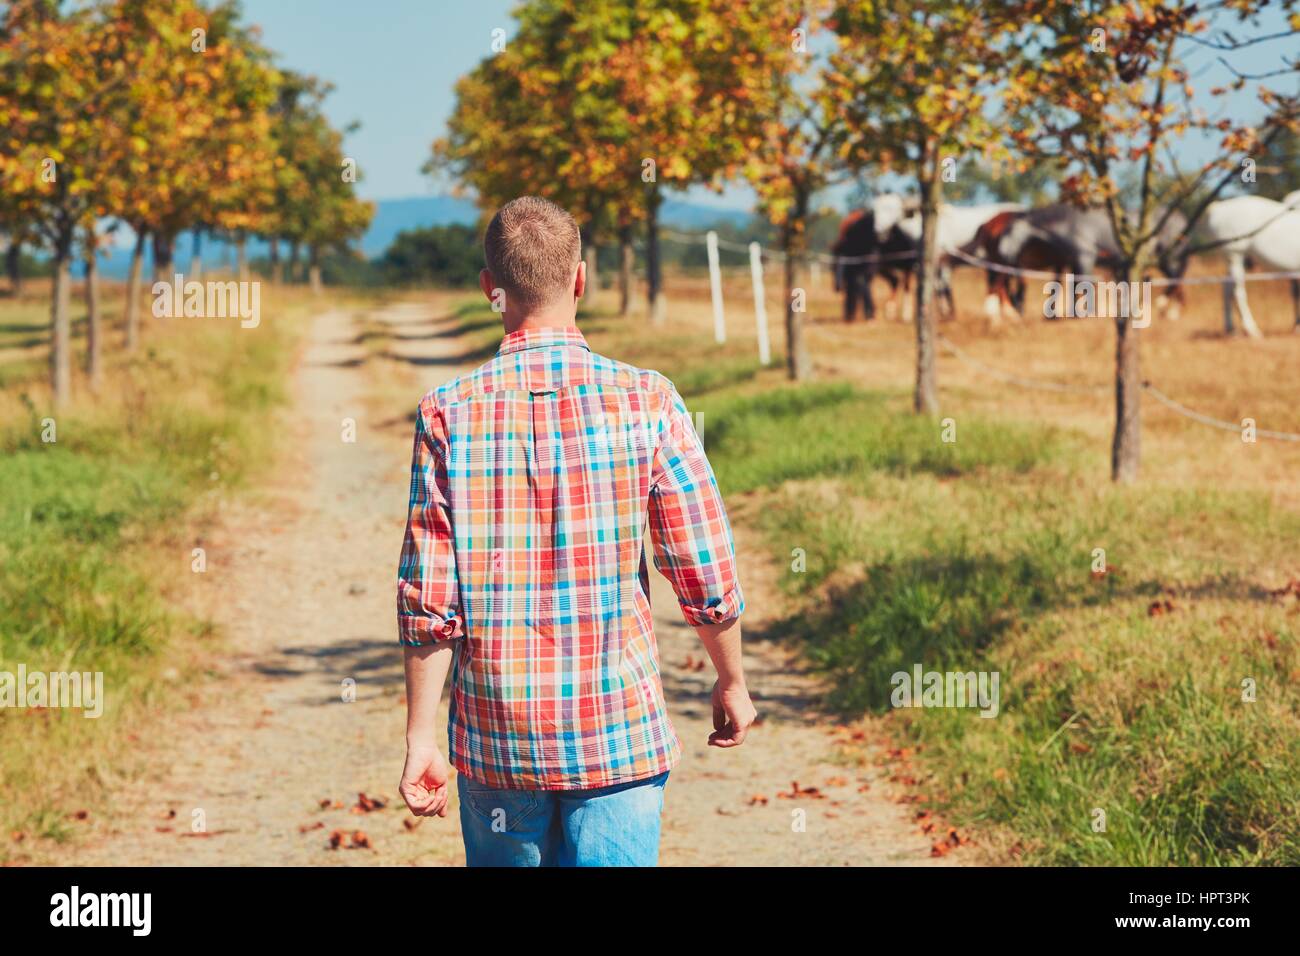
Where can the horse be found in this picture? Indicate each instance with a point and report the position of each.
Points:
(1005, 291)
(900, 255)
(855, 243)
(957, 226)
(1262, 231)
(868, 245)
(1063, 239)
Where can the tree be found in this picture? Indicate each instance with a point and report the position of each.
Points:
(691, 78)
(1010, 179)
(1279, 166)
(537, 118)
(193, 113)
(796, 158)
(57, 158)
(437, 255)
(315, 202)
(1103, 93)
(913, 79)
(600, 104)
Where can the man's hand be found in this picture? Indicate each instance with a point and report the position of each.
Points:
(424, 781)
(733, 715)
(424, 778)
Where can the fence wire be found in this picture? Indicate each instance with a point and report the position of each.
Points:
(1020, 380)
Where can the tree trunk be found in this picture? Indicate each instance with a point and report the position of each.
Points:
(797, 363)
(277, 267)
(241, 257)
(313, 270)
(133, 292)
(925, 399)
(14, 266)
(1126, 449)
(61, 323)
(593, 279)
(94, 334)
(196, 256)
(163, 247)
(625, 255)
(654, 275)
(293, 261)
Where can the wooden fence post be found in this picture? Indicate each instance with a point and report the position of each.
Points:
(715, 288)
(760, 307)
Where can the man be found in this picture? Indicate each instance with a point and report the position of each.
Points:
(523, 571)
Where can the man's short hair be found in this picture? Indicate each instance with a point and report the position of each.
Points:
(531, 248)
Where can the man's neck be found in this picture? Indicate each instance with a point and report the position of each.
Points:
(540, 320)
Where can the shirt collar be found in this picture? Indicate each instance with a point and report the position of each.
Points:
(541, 338)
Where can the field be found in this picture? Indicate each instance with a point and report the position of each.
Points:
(104, 505)
(873, 545)
(1122, 690)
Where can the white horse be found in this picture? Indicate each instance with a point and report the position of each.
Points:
(957, 227)
(1263, 230)
(890, 209)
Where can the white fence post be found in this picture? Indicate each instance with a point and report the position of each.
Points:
(760, 307)
(715, 287)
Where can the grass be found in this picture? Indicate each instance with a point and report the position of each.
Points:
(99, 523)
(899, 548)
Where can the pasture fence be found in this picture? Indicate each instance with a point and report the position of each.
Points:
(757, 254)
(1155, 280)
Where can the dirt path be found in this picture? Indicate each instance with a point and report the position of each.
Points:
(274, 758)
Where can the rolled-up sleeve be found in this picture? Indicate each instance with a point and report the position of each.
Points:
(693, 545)
(428, 589)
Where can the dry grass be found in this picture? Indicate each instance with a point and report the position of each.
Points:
(1190, 360)
(980, 561)
(97, 531)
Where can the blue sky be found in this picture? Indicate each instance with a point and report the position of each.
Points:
(394, 63)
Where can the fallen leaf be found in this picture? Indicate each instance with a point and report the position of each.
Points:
(1158, 608)
(796, 792)
(367, 804)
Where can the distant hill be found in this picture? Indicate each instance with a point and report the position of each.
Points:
(397, 215)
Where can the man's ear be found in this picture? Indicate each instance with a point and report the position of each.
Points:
(580, 280)
(486, 283)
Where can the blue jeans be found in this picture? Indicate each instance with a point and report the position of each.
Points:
(609, 826)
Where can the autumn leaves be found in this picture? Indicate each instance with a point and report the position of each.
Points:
(163, 116)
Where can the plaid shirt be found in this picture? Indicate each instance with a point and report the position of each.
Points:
(532, 482)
